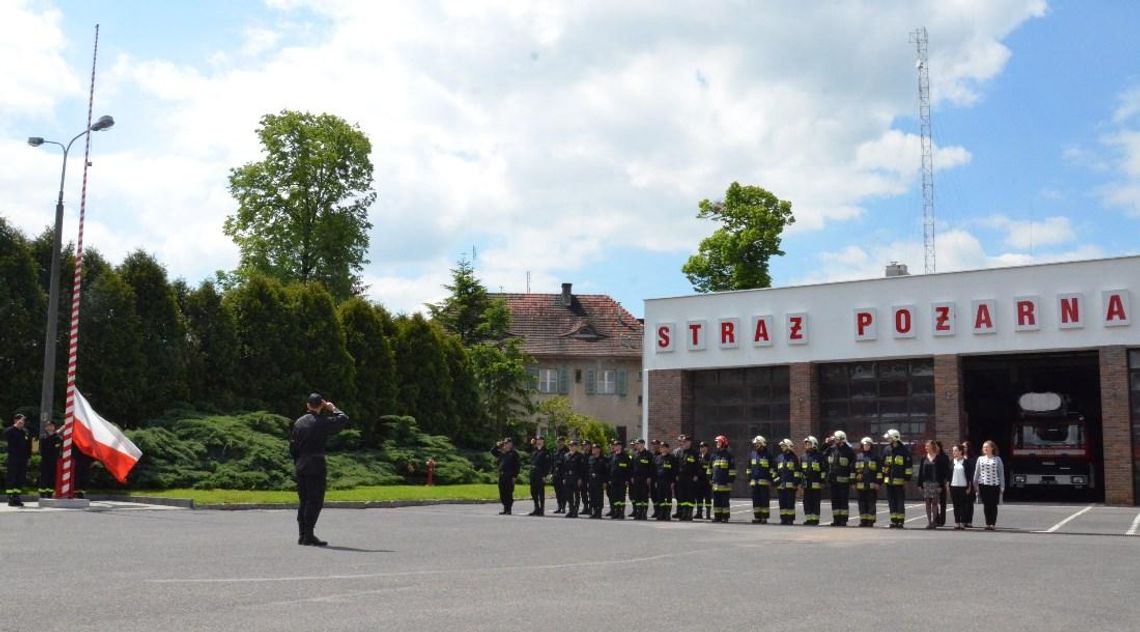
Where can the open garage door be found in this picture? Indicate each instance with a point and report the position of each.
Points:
(1050, 443)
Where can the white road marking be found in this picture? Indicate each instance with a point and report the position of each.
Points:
(1064, 522)
(1134, 527)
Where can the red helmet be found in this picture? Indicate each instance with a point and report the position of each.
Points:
(722, 439)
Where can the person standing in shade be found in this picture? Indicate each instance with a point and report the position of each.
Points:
(688, 477)
(787, 480)
(933, 476)
(641, 480)
(509, 466)
(664, 478)
(19, 451)
(840, 464)
(558, 473)
(307, 440)
(704, 484)
(868, 477)
(50, 445)
(961, 482)
(584, 477)
(760, 479)
(540, 463)
(972, 492)
(598, 468)
(572, 469)
(618, 479)
(898, 469)
(723, 475)
(811, 464)
(989, 478)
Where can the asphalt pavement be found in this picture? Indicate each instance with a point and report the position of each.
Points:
(463, 567)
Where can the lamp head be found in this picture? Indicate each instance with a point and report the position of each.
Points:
(104, 122)
(35, 141)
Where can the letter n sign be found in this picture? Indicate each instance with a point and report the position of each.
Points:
(866, 327)
(1071, 311)
(666, 337)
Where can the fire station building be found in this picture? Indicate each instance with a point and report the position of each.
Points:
(943, 356)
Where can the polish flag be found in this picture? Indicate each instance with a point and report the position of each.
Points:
(103, 441)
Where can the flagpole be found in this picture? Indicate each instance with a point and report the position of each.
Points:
(65, 477)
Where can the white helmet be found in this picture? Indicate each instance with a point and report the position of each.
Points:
(893, 435)
(840, 436)
(759, 440)
(812, 440)
(867, 441)
(786, 443)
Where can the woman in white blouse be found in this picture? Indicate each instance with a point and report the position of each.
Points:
(989, 479)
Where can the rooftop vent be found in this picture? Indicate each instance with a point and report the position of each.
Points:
(567, 297)
(896, 269)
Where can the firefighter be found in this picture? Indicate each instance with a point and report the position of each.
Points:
(897, 470)
(509, 465)
(584, 477)
(618, 479)
(50, 445)
(307, 443)
(654, 490)
(599, 469)
(19, 451)
(704, 483)
(664, 478)
(840, 461)
(641, 480)
(868, 476)
(688, 477)
(558, 472)
(760, 475)
(723, 475)
(539, 468)
(811, 464)
(787, 480)
(571, 473)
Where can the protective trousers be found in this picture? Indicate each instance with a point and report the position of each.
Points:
(787, 505)
(617, 499)
(760, 500)
(639, 495)
(664, 501)
(896, 500)
(538, 495)
(811, 506)
(15, 479)
(721, 510)
(573, 496)
(840, 505)
(47, 477)
(868, 506)
(597, 498)
(559, 494)
(507, 492)
(686, 489)
(311, 498)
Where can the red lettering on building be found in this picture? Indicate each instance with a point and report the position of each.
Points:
(1026, 314)
(902, 321)
(1070, 310)
(942, 318)
(983, 320)
(863, 320)
(695, 329)
(796, 331)
(1115, 311)
(663, 339)
(727, 333)
(761, 334)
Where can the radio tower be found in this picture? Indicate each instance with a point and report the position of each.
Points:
(918, 38)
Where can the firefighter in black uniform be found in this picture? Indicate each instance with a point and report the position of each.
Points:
(599, 470)
(868, 477)
(723, 475)
(540, 462)
(688, 477)
(760, 475)
(307, 439)
(584, 478)
(663, 479)
(557, 473)
(19, 451)
(704, 483)
(840, 464)
(620, 463)
(641, 480)
(897, 470)
(811, 464)
(788, 478)
(571, 474)
(509, 466)
(50, 445)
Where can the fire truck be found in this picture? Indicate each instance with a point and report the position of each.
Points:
(1050, 445)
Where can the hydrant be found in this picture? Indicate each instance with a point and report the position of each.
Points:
(431, 471)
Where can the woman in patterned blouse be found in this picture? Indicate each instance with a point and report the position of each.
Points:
(989, 479)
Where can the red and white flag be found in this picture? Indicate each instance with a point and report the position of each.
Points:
(103, 441)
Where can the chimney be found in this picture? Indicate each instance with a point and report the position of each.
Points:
(567, 297)
(896, 269)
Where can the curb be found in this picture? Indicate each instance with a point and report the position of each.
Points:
(185, 503)
(341, 504)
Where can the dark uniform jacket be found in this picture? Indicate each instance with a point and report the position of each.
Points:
(50, 446)
(572, 465)
(723, 471)
(620, 465)
(936, 472)
(788, 470)
(559, 465)
(811, 464)
(840, 464)
(761, 469)
(308, 437)
(19, 445)
(540, 461)
(598, 468)
(897, 465)
(706, 467)
(643, 467)
(867, 470)
(509, 462)
(688, 465)
(665, 468)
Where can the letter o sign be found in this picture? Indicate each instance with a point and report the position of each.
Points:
(902, 321)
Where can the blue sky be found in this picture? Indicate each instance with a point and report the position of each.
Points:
(573, 141)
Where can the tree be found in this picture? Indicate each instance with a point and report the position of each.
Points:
(559, 417)
(23, 308)
(463, 312)
(326, 366)
(269, 357)
(736, 256)
(425, 382)
(375, 363)
(470, 426)
(303, 209)
(212, 340)
(112, 371)
(161, 332)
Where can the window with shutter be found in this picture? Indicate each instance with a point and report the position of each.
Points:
(591, 381)
(563, 380)
(621, 382)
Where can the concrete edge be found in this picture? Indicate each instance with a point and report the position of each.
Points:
(345, 504)
(185, 503)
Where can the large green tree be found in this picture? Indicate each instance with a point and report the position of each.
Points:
(269, 357)
(213, 346)
(374, 361)
(161, 332)
(735, 257)
(23, 308)
(425, 380)
(303, 208)
(112, 370)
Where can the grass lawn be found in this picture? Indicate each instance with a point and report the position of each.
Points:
(385, 492)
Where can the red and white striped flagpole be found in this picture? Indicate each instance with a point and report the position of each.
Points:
(65, 477)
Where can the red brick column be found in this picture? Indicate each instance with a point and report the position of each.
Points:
(949, 419)
(669, 392)
(1115, 422)
(803, 392)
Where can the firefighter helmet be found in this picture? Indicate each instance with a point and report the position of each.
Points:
(786, 443)
(893, 435)
(721, 439)
(840, 436)
(867, 441)
(759, 440)
(812, 440)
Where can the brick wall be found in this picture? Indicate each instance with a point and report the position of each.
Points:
(1117, 431)
(949, 417)
(670, 404)
(803, 391)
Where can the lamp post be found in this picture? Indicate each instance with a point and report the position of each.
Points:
(47, 390)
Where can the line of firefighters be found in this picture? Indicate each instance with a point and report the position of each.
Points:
(701, 478)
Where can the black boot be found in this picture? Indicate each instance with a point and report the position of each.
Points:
(14, 500)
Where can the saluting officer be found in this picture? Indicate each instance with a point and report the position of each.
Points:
(19, 451)
(688, 477)
(50, 445)
(760, 475)
(307, 440)
(704, 483)
(663, 480)
(723, 475)
(868, 477)
(558, 473)
(639, 485)
(787, 480)
(618, 479)
(571, 474)
(599, 469)
(540, 465)
(840, 461)
(811, 464)
(509, 466)
(897, 470)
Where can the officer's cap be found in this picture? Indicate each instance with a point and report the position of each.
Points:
(656, 442)
(574, 442)
(684, 438)
(615, 442)
(315, 399)
(562, 439)
(664, 444)
(704, 444)
(639, 441)
(18, 417)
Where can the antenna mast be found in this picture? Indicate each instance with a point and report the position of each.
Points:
(918, 38)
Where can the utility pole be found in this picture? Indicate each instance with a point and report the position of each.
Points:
(918, 38)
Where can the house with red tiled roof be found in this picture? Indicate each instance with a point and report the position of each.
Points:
(587, 348)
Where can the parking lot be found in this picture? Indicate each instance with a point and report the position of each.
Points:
(463, 567)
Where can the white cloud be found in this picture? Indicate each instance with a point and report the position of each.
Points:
(1028, 234)
(1123, 145)
(33, 74)
(549, 133)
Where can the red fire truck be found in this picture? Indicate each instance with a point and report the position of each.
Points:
(1050, 445)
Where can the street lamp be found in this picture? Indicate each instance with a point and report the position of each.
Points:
(47, 390)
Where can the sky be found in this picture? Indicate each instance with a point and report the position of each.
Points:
(572, 142)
